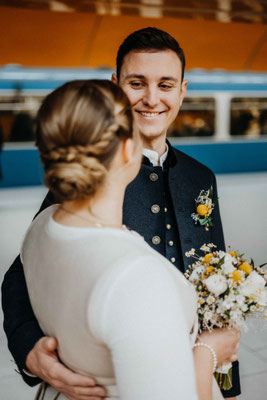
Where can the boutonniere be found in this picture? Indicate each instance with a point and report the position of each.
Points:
(204, 208)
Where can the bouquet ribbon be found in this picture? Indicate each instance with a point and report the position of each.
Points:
(223, 375)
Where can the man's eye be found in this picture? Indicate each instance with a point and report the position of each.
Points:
(165, 86)
(136, 85)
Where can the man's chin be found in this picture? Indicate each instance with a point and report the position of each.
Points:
(150, 135)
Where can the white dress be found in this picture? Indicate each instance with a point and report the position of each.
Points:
(120, 311)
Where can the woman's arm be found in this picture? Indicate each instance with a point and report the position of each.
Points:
(225, 343)
(137, 311)
(204, 372)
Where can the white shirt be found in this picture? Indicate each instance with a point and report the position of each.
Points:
(153, 156)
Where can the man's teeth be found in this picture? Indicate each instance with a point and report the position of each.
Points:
(148, 114)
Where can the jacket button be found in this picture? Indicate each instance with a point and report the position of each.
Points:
(165, 209)
(173, 259)
(156, 240)
(153, 177)
(155, 208)
(170, 243)
(168, 226)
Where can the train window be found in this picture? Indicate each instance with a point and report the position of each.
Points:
(249, 116)
(196, 118)
(17, 117)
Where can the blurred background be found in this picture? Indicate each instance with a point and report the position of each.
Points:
(222, 123)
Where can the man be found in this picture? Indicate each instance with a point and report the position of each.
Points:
(158, 203)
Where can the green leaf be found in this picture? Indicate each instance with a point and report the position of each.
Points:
(205, 221)
(221, 262)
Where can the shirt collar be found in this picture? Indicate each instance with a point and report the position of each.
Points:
(154, 157)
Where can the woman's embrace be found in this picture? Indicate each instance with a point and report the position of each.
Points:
(120, 311)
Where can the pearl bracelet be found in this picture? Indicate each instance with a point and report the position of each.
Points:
(201, 344)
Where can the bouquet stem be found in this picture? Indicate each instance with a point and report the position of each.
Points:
(224, 380)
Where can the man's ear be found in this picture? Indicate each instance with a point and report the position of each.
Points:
(128, 150)
(114, 78)
(183, 91)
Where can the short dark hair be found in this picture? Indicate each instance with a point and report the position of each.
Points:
(148, 39)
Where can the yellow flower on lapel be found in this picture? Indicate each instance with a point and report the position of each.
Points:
(204, 208)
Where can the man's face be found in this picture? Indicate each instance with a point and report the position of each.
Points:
(152, 82)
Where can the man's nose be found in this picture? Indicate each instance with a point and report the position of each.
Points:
(151, 97)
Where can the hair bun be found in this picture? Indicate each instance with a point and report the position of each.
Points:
(74, 177)
(79, 128)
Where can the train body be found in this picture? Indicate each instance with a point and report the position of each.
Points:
(222, 122)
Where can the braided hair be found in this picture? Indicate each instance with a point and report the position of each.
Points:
(79, 128)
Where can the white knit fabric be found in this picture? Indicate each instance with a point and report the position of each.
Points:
(120, 311)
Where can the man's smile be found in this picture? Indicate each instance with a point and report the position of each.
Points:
(149, 114)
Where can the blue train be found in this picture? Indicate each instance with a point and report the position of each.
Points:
(222, 123)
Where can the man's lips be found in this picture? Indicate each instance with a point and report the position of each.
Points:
(149, 114)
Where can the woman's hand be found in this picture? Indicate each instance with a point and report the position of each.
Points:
(225, 342)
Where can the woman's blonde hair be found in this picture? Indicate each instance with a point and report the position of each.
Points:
(79, 128)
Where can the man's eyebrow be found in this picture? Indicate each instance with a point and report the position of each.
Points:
(169, 78)
(163, 78)
(137, 76)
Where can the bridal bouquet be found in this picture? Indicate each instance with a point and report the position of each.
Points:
(229, 289)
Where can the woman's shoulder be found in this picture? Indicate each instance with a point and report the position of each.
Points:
(45, 214)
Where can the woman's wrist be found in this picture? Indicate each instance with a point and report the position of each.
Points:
(212, 351)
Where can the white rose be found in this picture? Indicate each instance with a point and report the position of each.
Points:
(261, 297)
(216, 284)
(227, 266)
(252, 284)
(221, 254)
(228, 258)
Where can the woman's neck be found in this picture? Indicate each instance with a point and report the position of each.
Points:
(102, 209)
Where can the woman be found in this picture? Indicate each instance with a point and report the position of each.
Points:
(120, 312)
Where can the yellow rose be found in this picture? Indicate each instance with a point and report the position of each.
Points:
(237, 276)
(232, 253)
(246, 267)
(209, 269)
(208, 257)
(203, 210)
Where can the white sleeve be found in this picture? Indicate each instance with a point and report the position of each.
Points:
(140, 317)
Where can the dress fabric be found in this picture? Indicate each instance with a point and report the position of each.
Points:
(120, 311)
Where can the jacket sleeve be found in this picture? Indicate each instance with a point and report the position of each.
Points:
(20, 325)
(218, 239)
